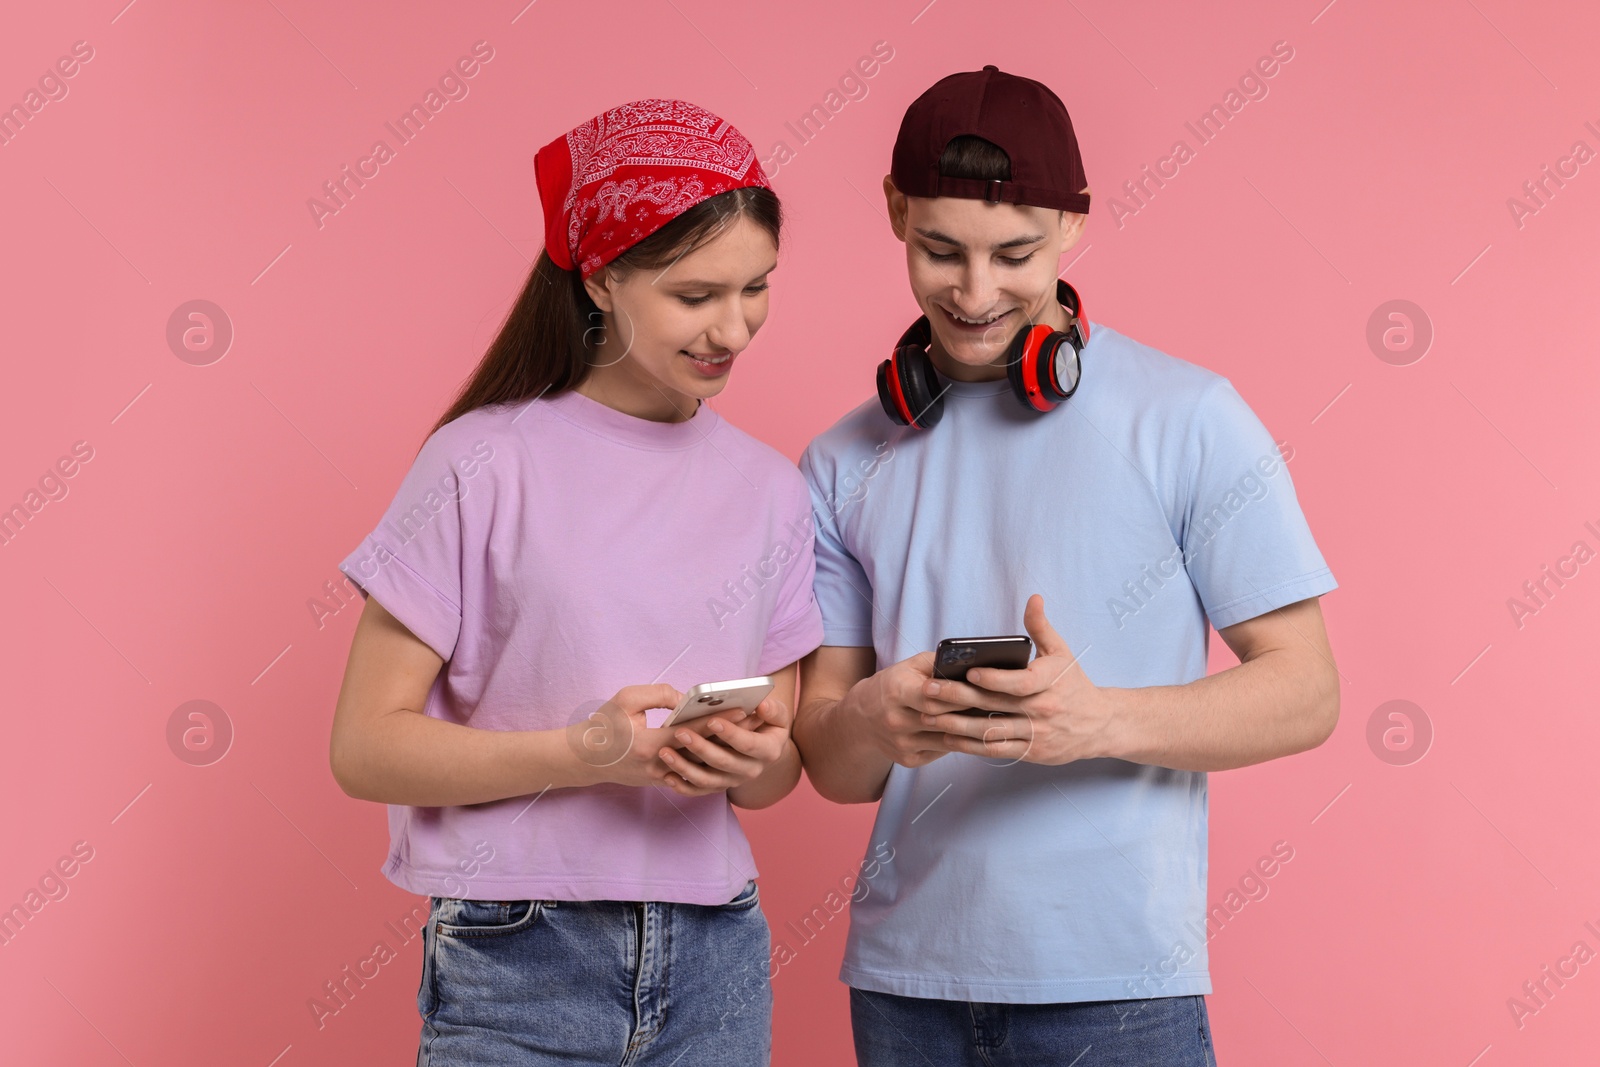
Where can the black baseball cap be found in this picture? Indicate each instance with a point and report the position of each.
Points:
(1020, 115)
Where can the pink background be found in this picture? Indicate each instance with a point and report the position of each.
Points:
(219, 498)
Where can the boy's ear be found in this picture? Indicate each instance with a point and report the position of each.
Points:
(1072, 224)
(897, 204)
(596, 285)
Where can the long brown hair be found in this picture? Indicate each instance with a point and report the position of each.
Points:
(543, 346)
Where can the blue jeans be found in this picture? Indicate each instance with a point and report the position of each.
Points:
(619, 983)
(893, 1031)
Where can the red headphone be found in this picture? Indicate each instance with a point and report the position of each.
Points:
(1043, 365)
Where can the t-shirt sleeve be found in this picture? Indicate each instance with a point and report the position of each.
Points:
(1245, 542)
(844, 595)
(796, 623)
(412, 560)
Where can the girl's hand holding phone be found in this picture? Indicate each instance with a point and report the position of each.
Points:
(726, 751)
(617, 741)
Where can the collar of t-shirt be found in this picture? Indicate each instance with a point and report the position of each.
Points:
(604, 421)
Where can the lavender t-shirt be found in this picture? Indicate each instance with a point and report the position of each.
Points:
(552, 552)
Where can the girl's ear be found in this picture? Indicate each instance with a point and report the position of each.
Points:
(598, 286)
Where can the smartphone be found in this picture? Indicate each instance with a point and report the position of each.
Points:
(710, 697)
(957, 655)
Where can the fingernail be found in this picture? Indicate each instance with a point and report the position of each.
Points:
(933, 687)
(683, 737)
(719, 726)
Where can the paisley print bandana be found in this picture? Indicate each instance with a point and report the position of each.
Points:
(616, 179)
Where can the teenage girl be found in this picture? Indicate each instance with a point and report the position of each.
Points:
(580, 539)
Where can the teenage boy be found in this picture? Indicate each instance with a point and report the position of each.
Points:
(1047, 825)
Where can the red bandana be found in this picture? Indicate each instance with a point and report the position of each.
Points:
(624, 174)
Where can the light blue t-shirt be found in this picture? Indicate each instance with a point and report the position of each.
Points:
(1148, 503)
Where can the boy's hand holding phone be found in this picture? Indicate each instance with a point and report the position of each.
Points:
(1045, 712)
(890, 706)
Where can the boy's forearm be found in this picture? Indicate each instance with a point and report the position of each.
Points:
(841, 760)
(1275, 705)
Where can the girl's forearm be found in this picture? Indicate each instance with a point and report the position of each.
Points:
(773, 784)
(410, 758)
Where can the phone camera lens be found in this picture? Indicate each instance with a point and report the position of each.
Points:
(714, 702)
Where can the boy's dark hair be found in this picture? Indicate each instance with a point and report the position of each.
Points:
(970, 156)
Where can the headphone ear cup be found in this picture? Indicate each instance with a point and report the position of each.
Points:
(908, 386)
(1014, 356)
(919, 385)
(1027, 369)
(1059, 367)
(886, 396)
